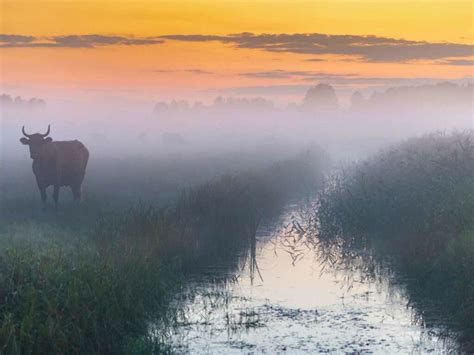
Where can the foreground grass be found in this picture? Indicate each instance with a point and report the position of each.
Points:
(70, 288)
(62, 298)
(415, 203)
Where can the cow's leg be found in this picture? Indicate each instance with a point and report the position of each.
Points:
(42, 190)
(76, 193)
(43, 195)
(56, 196)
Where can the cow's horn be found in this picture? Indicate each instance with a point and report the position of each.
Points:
(24, 133)
(47, 132)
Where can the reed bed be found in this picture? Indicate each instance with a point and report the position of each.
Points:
(413, 204)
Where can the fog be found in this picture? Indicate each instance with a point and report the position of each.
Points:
(211, 191)
(143, 142)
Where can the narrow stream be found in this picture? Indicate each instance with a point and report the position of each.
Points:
(293, 302)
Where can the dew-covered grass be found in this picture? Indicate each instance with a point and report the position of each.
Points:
(413, 204)
(94, 280)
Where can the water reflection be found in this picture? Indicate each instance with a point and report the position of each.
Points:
(292, 295)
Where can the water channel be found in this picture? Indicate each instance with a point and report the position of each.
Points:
(289, 300)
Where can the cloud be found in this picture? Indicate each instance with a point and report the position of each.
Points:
(73, 41)
(198, 71)
(341, 80)
(349, 82)
(195, 38)
(367, 48)
(331, 78)
(457, 62)
(99, 40)
(192, 71)
(15, 39)
(286, 74)
(264, 90)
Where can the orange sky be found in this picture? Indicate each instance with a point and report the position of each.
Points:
(201, 69)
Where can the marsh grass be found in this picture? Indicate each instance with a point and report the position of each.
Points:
(412, 204)
(99, 280)
(59, 299)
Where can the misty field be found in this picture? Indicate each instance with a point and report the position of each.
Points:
(93, 278)
(222, 177)
(109, 276)
(412, 205)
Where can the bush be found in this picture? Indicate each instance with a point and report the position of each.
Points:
(414, 201)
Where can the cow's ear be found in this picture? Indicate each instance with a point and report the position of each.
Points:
(48, 140)
(24, 140)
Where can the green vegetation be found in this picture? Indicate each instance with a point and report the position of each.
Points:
(414, 204)
(94, 280)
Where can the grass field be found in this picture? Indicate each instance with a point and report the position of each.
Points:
(414, 205)
(94, 278)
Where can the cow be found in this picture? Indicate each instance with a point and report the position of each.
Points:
(57, 163)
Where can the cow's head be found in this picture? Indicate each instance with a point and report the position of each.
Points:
(36, 142)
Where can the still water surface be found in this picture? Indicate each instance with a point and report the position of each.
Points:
(294, 303)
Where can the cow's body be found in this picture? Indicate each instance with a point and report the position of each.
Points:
(61, 164)
(57, 164)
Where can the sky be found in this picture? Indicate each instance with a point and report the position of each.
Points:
(196, 50)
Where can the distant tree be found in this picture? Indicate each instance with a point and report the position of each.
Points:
(260, 103)
(160, 107)
(237, 104)
(292, 106)
(179, 105)
(321, 97)
(218, 102)
(357, 100)
(6, 100)
(34, 103)
(20, 103)
(198, 105)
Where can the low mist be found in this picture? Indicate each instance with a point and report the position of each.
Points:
(154, 151)
(233, 132)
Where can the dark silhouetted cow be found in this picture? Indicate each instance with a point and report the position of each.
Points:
(57, 163)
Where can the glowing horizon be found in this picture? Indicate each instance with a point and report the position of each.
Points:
(148, 49)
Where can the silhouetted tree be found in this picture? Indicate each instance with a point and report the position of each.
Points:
(321, 97)
(6, 100)
(357, 100)
(20, 103)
